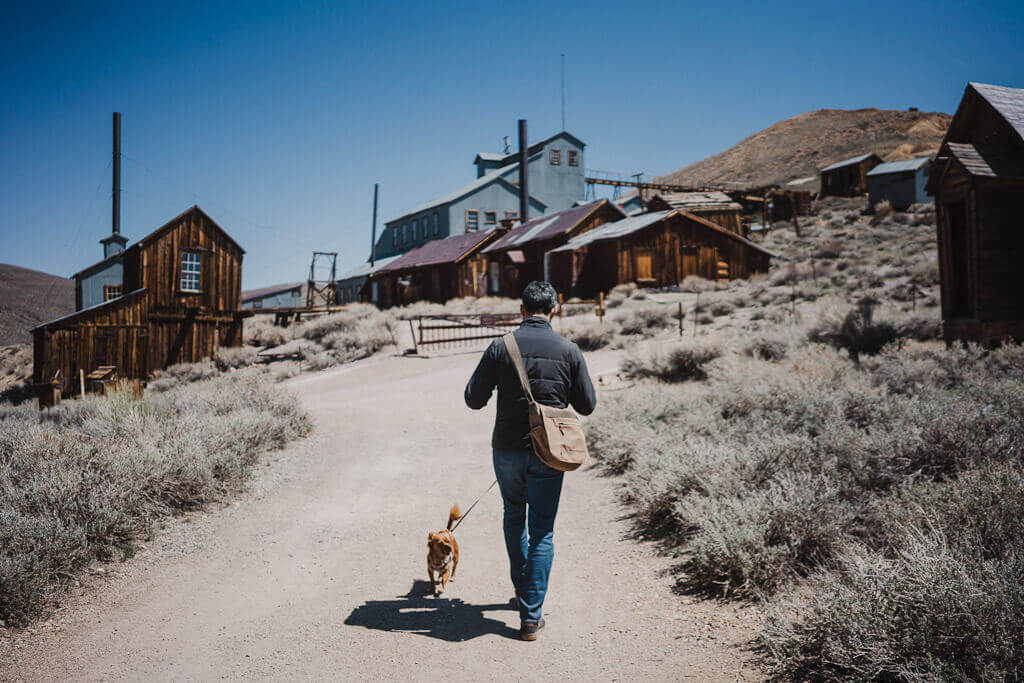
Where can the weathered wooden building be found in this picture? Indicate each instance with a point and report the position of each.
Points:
(848, 178)
(288, 295)
(901, 183)
(439, 270)
(978, 184)
(716, 207)
(178, 300)
(656, 249)
(517, 257)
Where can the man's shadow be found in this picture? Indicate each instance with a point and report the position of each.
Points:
(418, 611)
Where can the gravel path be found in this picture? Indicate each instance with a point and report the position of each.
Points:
(318, 572)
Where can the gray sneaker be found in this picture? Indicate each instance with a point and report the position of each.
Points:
(528, 630)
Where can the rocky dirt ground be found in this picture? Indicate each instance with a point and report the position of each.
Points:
(318, 571)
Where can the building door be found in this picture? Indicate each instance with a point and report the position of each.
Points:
(644, 263)
(687, 261)
(959, 306)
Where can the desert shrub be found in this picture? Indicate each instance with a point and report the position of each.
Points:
(857, 331)
(319, 360)
(883, 209)
(183, 373)
(677, 363)
(16, 373)
(830, 250)
(772, 344)
(919, 327)
(284, 370)
(722, 308)
(645, 322)
(261, 331)
(362, 338)
(588, 335)
(228, 357)
(695, 283)
(90, 476)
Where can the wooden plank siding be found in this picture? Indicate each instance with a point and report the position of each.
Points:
(659, 255)
(156, 324)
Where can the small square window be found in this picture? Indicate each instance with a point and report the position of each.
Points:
(472, 221)
(490, 217)
(556, 157)
(574, 157)
(191, 262)
(111, 292)
(512, 215)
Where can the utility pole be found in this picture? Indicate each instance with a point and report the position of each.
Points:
(524, 190)
(640, 190)
(373, 230)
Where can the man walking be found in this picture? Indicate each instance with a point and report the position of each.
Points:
(530, 489)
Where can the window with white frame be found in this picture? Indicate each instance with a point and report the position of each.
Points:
(573, 157)
(472, 220)
(191, 263)
(556, 157)
(437, 226)
(111, 292)
(490, 217)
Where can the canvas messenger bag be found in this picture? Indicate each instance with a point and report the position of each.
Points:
(556, 433)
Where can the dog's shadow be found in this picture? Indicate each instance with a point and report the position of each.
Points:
(419, 612)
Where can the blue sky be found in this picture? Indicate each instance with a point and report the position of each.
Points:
(278, 118)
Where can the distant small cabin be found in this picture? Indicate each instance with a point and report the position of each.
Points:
(978, 184)
(656, 249)
(290, 295)
(848, 178)
(439, 270)
(517, 257)
(901, 183)
(717, 207)
(175, 299)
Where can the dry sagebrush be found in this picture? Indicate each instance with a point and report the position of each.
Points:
(83, 479)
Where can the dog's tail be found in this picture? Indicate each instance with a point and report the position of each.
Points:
(453, 515)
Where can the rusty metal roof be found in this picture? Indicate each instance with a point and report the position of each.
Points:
(545, 227)
(700, 201)
(436, 252)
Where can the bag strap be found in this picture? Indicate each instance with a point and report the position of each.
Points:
(517, 361)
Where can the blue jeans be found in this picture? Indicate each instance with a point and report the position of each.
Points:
(530, 490)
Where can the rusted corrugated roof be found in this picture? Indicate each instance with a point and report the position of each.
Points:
(991, 161)
(436, 252)
(545, 227)
(700, 201)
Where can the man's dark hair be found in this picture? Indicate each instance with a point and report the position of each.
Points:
(539, 298)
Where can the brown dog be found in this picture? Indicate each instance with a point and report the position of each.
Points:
(443, 553)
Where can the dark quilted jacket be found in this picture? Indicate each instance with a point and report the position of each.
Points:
(558, 377)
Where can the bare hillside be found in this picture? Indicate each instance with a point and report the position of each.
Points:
(795, 148)
(29, 297)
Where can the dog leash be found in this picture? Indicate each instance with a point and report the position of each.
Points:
(463, 517)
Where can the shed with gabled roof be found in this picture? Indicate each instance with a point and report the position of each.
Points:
(848, 178)
(517, 257)
(439, 270)
(657, 249)
(978, 185)
(901, 183)
(717, 207)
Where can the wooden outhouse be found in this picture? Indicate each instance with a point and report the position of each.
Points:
(177, 301)
(439, 270)
(978, 185)
(655, 249)
(517, 257)
(901, 183)
(848, 178)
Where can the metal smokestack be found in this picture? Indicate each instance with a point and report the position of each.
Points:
(524, 190)
(373, 230)
(116, 211)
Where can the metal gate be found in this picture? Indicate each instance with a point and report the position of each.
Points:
(448, 331)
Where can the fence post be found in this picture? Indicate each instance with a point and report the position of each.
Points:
(412, 331)
(600, 307)
(560, 305)
(680, 318)
(696, 314)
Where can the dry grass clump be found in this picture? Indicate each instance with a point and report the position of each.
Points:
(464, 306)
(84, 479)
(15, 373)
(855, 329)
(676, 363)
(644, 322)
(883, 496)
(234, 357)
(588, 335)
(174, 376)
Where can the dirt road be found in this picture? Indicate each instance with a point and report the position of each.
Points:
(318, 572)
